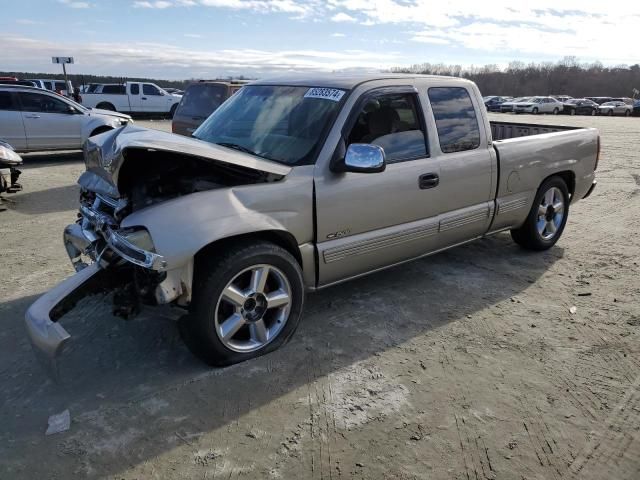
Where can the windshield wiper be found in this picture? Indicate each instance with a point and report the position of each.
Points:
(235, 146)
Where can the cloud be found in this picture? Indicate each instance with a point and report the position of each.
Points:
(342, 17)
(168, 61)
(72, 4)
(299, 7)
(192, 35)
(585, 28)
(338, 35)
(26, 21)
(159, 4)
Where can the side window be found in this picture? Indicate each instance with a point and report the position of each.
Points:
(135, 89)
(392, 122)
(148, 89)
(114, 89)
(456, 119)
(6, 101)
(36, 102)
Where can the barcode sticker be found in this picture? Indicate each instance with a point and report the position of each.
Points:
(332, 94)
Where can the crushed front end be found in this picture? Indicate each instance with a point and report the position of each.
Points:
(106, 259)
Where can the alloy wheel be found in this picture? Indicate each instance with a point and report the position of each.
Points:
(253, 308)
(550, 213)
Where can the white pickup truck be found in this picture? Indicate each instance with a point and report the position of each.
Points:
(132, 97)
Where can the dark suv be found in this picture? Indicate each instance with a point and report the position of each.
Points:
(199, 101)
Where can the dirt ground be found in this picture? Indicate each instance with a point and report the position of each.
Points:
(465, 365)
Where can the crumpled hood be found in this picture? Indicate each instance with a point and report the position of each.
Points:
(104, 154)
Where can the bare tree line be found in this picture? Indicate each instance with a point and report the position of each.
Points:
(566, 77)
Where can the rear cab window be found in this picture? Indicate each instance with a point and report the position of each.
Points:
(135, 89)
(114, 89)
(456, 119)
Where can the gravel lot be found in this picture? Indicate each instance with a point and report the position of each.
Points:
(465, 365)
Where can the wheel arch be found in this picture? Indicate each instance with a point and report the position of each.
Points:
(107, 104)
(282, 238)
(100, 129)
(569, 178)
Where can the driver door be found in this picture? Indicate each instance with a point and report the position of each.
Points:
(367, 221)
(49, 122)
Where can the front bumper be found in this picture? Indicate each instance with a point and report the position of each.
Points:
(46, 335)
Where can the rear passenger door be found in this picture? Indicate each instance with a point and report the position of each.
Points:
(467, 165)
(367, 221)
(135, 98)
(11, 126)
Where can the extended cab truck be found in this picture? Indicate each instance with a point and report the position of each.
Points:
(300, 183)
(132, 97)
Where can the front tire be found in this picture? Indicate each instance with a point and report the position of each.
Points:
(534, 111)
(247, 301)
(547, 218)
(627, 113)
(555, 111)
(172, 110)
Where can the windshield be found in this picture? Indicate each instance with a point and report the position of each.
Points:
(575, 100)
(609, 104)
(280, 123)
(201, 99)
(521, 99)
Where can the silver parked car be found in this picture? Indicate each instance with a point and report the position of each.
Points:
(536, 105)
(296, 184)
(508, 106)
(33, 119)
(615, 108)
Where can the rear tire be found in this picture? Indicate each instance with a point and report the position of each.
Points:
(572, 111)
(173, 109)
(610, 113)
(230, 318)
(106, 106)
(547, 218)
(594, 112)
(627, 113)
(555, 111)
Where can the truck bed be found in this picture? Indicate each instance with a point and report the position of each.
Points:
(506, 130)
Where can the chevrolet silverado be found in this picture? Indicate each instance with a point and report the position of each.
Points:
(297, 184)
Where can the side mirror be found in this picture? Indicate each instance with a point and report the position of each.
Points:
(364, 158)
(72, 110)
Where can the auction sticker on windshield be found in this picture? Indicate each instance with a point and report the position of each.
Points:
(332, 94)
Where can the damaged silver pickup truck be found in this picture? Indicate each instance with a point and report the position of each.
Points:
(300, 183)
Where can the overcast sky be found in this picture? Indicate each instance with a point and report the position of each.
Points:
(177, 39)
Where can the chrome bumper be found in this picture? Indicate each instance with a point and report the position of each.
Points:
(46, 335)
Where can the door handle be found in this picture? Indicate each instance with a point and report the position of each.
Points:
(428, 180)
(32, 116)
(144, 98)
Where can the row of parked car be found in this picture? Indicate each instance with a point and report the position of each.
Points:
(563, 104)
